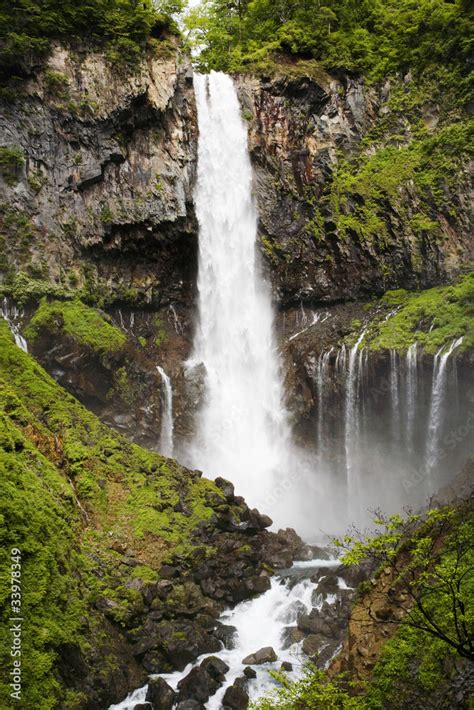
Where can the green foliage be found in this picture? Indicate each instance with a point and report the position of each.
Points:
(313, 691)
(37, 180)
(160, 331)
(431, 562)
(432, 318)
(82, 323)
(374, 37)
(12, 160)
(27, 29)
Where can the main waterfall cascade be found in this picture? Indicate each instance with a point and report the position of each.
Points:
(242, 428)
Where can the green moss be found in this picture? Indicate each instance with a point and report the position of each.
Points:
(432, 318)
(37, 180)
(12, 160)
(57, 84)
(22, 288)
(160, 331)
(82, 323)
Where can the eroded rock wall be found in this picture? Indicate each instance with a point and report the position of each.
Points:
(102, 202)
(325, 240)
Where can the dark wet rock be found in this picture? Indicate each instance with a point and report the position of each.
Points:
(179, 642)
(286, 666)
(160, 694)
(291, 635)
(353, 575)
(195, 686)
(226, 487)
(250, 587)
(235, 697)
(216, 669)
(142, 706)
(250, 672)
(226, 634)
(328, 584)
(263, 655)
(312, 644)
(190, 705)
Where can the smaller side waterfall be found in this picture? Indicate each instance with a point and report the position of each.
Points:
(167, 425)
(411, 393)
(11, 314)
(435, 421)
(395, 397)
(351, 420)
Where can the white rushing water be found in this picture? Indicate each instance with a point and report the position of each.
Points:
(259, 622)
(166, 442)
(352, 427)
(242, 431)
(11, 314)
(411, 393)
(436, 414)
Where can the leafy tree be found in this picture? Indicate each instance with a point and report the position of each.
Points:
(431, 563)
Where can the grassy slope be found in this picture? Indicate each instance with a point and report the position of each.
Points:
(70, 488)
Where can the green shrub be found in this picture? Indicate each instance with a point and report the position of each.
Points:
(12, 160)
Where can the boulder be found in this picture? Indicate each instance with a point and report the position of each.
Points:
(190, 705)
(250, 672)
(286, 666)
(160, 694)
(312, 645)
(216, 668)
(235, 698)
(291, 635)
(195, 686)
(263, 655)
(226, 487)
(226, 634)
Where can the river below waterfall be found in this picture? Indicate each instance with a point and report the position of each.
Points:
(265, 621)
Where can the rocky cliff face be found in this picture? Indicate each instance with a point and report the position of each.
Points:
(332, 229)
(98, 206)
(99, 200)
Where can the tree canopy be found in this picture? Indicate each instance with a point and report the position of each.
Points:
(373, 37)
(28, 26)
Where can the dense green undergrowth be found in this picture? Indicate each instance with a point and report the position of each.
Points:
(72, 490)
(431, 318)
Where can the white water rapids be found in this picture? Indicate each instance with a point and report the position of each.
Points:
(258, 622)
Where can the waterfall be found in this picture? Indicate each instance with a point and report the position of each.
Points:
(352, 424)
(11, 314)
(322, 375)
(411, 393)
(166, 442)
(394, 398)
(242, 429)
(438, 390)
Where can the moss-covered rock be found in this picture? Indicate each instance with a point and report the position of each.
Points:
(431, 318)
(82, 323)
